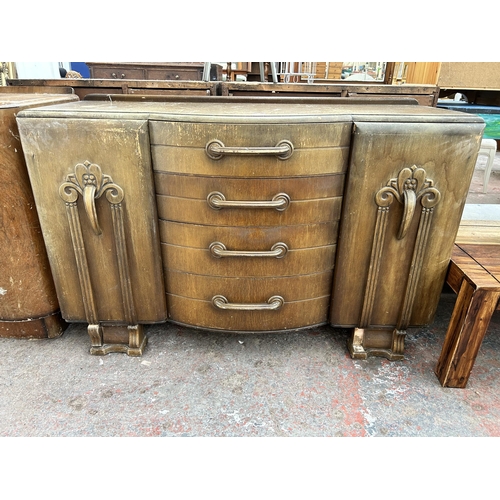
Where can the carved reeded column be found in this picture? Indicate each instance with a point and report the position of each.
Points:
(408, 188)
(89, 183)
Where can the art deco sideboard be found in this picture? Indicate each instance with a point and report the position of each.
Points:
(249, 214)
(28, 301)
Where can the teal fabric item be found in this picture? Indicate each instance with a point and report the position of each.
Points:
(492, 129)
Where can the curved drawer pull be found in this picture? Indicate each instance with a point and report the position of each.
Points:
(216, 150)
(273, 304)
(218, 250)
(217, 200)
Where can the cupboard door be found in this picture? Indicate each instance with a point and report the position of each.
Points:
(406, 189)
(93, 186)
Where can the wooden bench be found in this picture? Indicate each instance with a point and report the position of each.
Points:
(474, 274)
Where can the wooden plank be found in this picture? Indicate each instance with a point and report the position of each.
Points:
(471, 231)
(422, 72)
(474, 222)
(470, 75)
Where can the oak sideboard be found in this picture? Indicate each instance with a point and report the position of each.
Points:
(249, 214)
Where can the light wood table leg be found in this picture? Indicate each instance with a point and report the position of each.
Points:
(469, 322)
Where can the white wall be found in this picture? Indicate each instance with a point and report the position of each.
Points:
(35, 70)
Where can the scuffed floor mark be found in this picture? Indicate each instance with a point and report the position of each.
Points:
(370, 421)
(393, 378)
(2, 291)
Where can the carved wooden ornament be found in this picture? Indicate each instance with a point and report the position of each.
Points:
(410, 186)
(89, 182)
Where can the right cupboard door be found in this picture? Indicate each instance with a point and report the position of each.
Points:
(405, 192)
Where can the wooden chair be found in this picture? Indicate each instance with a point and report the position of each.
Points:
(474, 274)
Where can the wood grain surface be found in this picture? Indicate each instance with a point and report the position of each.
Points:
(121, 149)
(447, 153)
(28, 303)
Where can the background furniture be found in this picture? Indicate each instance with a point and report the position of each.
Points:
(152, 71)
(426, 95)
(28, 302)
(474, 274)
(83, 87)
(248, 214)
(478, 81)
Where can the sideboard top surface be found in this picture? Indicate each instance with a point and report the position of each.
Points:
(247, 111)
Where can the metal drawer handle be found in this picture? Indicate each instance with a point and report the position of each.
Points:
(273, 304)
(217, 200)
(216, 150)
(218, 250)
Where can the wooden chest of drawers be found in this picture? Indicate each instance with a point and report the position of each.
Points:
(232, 225)
(146, 71)
(249, 215)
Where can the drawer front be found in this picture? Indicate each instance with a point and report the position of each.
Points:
(291, 315)
(172, 74)
(196, 135)
(298, 188)
(119, 73)
(303, 162)
(231, 202)
(248, 237)
(198, 212)
(245, 290)
(315, 149)
(294, 262)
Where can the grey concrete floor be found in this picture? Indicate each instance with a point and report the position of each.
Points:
(198, 384)
(192, 383)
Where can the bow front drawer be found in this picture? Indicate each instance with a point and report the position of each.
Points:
(240, 202)
(266, 150)
(257, 304)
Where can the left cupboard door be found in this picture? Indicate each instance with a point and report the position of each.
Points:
(93, 187)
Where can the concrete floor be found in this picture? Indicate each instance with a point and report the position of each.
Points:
(191, 383)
